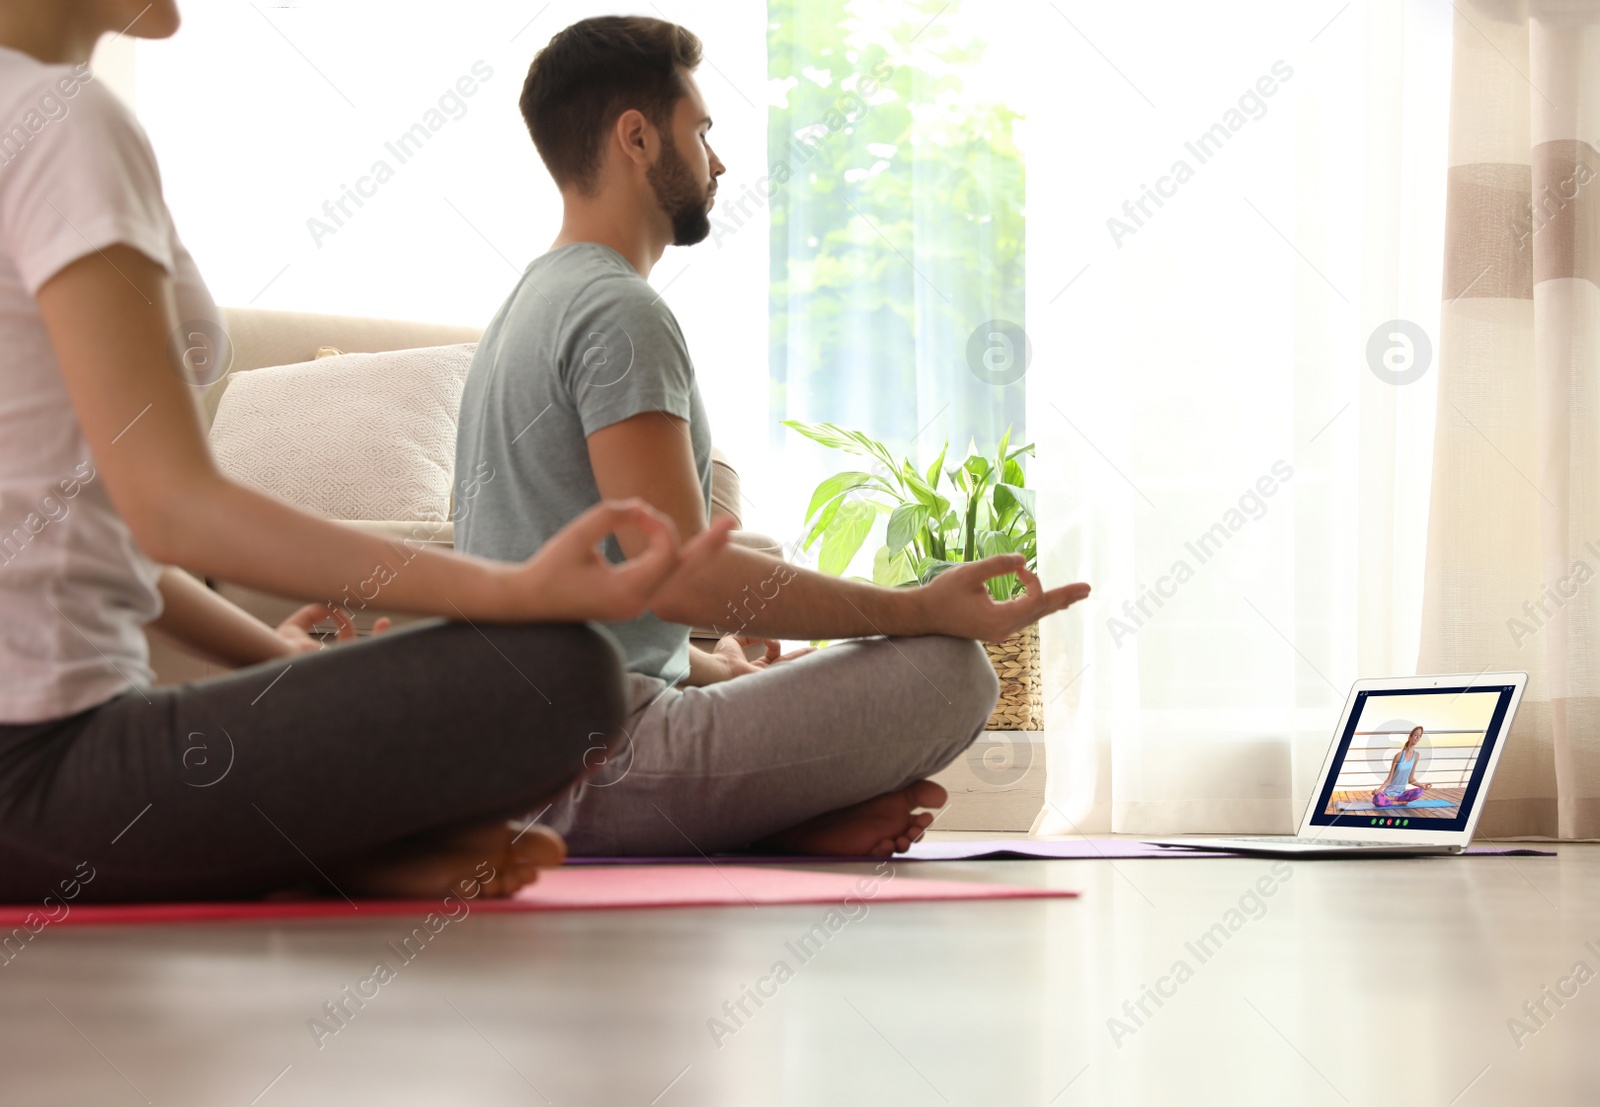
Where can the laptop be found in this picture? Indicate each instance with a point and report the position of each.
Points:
(1406, 774)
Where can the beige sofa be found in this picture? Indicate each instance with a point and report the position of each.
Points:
(263, 338)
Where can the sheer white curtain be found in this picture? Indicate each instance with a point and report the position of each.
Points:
(1217, 457)
(1516, 508)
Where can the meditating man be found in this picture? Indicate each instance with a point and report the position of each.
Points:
(583, 390)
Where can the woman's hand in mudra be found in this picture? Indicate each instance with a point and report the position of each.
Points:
(570, 579)
(296, 629)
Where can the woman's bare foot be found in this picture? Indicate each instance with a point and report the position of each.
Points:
(498, 859)
(881, 826)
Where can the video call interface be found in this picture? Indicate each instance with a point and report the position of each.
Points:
(1413, 760)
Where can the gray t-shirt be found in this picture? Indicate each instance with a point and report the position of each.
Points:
(581, 343)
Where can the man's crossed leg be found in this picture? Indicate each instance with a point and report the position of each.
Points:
(853, 730)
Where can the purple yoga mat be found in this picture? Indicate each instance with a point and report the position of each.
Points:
(996, 849)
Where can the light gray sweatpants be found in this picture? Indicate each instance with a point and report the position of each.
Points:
(718, 768)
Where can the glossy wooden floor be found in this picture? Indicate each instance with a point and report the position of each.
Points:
(1353, 981)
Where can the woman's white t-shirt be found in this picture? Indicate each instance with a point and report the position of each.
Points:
(77, 174)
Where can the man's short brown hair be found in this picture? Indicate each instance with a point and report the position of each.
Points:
(591, 73)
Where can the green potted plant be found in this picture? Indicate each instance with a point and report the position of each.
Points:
(988, 510)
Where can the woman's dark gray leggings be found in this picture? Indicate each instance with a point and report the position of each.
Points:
(277, 775)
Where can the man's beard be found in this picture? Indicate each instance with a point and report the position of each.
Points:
(679, 195)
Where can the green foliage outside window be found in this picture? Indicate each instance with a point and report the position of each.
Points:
(897, 221)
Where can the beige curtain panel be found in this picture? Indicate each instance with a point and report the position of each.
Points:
(1513, 564)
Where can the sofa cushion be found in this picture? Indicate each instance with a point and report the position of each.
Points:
(354, 436)
(725, 488)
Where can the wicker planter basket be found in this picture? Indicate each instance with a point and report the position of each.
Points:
(1016, 663)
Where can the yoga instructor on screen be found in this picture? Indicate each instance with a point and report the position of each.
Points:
(1398, 786)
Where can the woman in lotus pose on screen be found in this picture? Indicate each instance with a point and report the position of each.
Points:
(386, 766)
(1398, 786)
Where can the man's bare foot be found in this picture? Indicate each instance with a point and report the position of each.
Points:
(496, 859)
(881, 826)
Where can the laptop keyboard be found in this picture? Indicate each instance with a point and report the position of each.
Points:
(1337, 843)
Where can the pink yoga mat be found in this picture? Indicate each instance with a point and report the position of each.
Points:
(1000, 849)
(589, 888)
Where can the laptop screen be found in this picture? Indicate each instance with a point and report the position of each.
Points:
(1412, 760)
